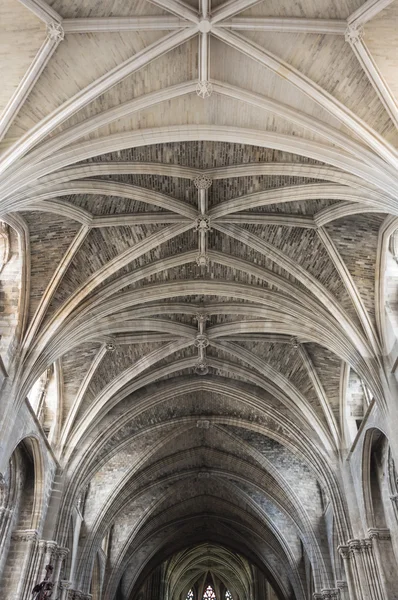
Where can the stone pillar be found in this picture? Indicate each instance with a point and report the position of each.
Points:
(5, 522)
(40, 559)
(5, 519)
(60, 555)
(364, 578)
(350, 572)
(64, 586)
(371, 570)
(385, 560)
(26, 546)
(342, 586)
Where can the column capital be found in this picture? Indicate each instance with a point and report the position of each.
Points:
(5, 511)
(344, 552)
(330, 594)
(64, 584)
(25, 535)
(379, 533)
(62, 553)
(42, 544)
(51, 547)
(355, 546)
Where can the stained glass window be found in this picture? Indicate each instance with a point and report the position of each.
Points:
(228, 595)
(209, 594)
(190, 595)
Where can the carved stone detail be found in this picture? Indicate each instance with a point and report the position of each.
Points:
(25, 535)
(380, 534)
(5, 511)
(331, 594)
(342, 585)
(204, 89)
(62, 553)
(202, 260)
(202, 182)
(203, 223)
(201, 368)
(354, 34)
(202, 317)
(203, 424)
(344, 552)
(55, 31)
(201, 341)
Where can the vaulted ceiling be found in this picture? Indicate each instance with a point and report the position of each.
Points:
(196, 195)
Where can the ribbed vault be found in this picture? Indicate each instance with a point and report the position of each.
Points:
(196, 203)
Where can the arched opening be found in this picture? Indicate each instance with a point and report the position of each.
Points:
(24, 498)
(379, 511)
(44, 399)
(11, 262)
(206, 570)
(357, 400)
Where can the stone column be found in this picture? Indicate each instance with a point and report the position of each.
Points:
(343, 588)
(364, 578)
(40, 559)
(385, 560)
(60, 555)
(5, 522)
(26, 544)
(64, 586)
(371, 570)
(350, 572)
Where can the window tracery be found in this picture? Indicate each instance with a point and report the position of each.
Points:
(190, 595)
(209, 594)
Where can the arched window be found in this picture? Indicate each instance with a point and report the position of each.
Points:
(209, 594)
(190, 595)
(228, 595)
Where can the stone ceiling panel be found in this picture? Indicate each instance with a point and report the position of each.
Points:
(309, 9)
(77, 62)
(22, 31)
(329, 61)
(50, 238)
(75, 365)
(356, 239)
(73, 9)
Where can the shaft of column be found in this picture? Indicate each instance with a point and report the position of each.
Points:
(349, 568)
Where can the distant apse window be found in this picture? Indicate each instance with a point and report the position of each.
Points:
(209, 594)
(228, 595)
(190, 595)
